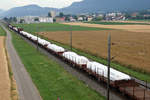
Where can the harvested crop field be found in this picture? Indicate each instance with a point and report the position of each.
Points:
(131, 21)
(132, 48)
(131, 28)
(4, 75)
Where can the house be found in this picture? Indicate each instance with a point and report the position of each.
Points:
(34, 19)
(134, 14)
(46, 19)
(53, 14)
(26, 19)
(58, 19)
(72, 19)
(89, 19)
(146, 15)
(80, 18)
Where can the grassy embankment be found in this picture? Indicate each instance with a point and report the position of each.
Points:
(126, 69)
(116, 23)
(2, 32)
(50, 78)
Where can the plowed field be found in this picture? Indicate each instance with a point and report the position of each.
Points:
(131, 28)
(132, 48)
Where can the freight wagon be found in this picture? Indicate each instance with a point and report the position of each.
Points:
(118, 80)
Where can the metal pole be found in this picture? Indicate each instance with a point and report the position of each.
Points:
(37, 42)
(146, 84)
(109, 58)
(144, 95)
(133, 91)
(71, 38)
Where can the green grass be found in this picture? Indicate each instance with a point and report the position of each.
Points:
(139, 74)
(2, 32)
(116, 23)
(50, 78)
(54, 27)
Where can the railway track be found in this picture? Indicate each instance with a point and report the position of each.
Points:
(130, 88)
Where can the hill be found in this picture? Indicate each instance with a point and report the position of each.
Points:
(29, 10)
(106, 6)
(1, 10)
(85, 6)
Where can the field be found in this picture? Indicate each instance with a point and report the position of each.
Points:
(4, 75)
(131, 28)
(118, 23)
(129, 50)
(54, 27)
(50, 78)
(140, 20)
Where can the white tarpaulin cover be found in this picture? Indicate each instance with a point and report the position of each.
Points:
(30, 35)
(15, 28)
(10, 26)
(102, 70)
(75, 58)
(55, 48)
(43, 42)
(94, 66)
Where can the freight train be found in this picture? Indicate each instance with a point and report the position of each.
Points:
(118, 80)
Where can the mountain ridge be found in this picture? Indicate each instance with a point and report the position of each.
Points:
(85, 6)
(29, 10)
(1, 10)
(107, 5)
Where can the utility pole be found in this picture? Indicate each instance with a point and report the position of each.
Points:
(71, 38)
(109, 58)
(37, 41)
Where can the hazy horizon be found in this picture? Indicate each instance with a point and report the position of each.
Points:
(8, 4)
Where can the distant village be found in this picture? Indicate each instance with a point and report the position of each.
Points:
(53, 16)
(61, 17)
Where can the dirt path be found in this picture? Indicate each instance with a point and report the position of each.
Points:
(4, 75)
(26, 88)
(131, 28)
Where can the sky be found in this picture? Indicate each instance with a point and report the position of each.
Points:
(7, 4)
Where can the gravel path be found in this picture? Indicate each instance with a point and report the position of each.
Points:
(25, 86)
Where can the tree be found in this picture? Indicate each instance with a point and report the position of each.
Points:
(61, 14)
(67, 17)
(22, 20)
(98, 18)
(128, 16)
(5, 19)
(36, 19)
(75, 17)
(11, 19)
(49, 14)
(54, 20)
(14, 19)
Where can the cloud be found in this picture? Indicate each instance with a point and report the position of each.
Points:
(6, 4)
